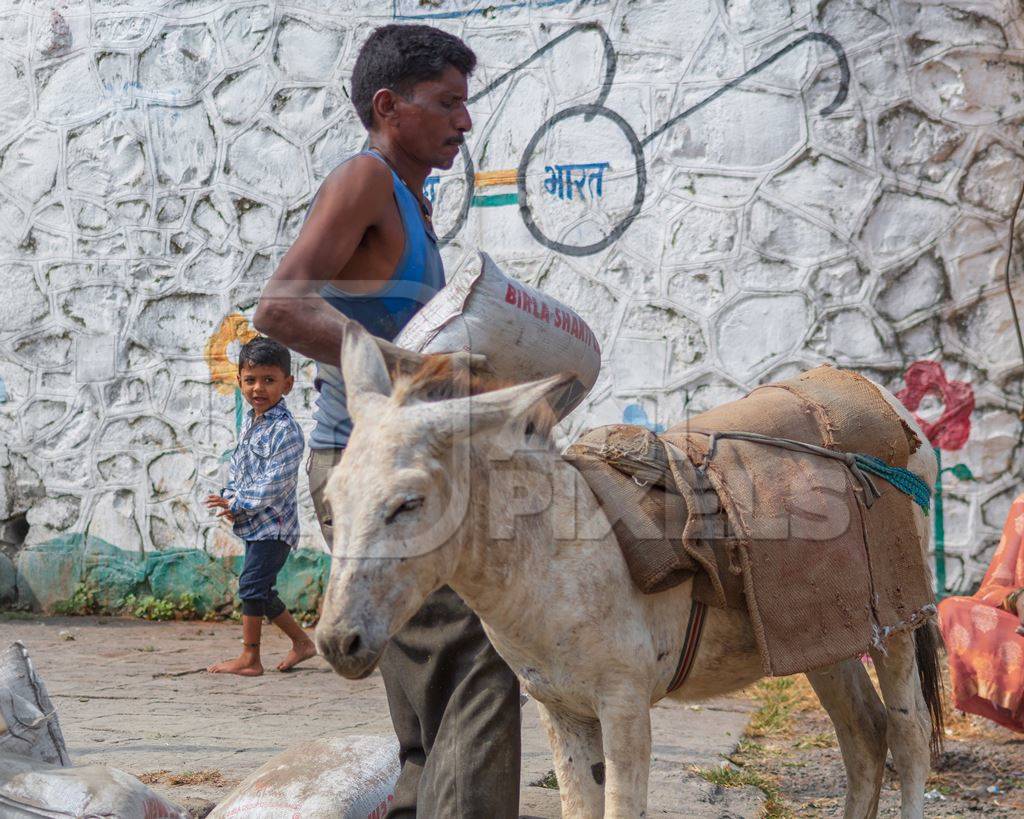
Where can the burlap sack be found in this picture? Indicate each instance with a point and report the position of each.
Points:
(647, 514)
(821, 576)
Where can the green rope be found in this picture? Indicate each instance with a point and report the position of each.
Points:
(903, 479)
(858, 463)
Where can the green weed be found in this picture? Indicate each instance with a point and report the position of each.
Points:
(82, 601)
(17, 614)
(148, 607)
(778, 697)
(728, 776)
(826, 739)
(549, 780)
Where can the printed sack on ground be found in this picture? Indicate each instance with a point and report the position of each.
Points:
(343, 778)
(28, 719)
(30, 788)
(524, 333)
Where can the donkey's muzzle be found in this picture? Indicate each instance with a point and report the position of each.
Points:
(348, 651)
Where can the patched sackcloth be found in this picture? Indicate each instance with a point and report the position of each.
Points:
(784, 535)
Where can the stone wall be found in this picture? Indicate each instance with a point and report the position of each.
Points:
(728, 191)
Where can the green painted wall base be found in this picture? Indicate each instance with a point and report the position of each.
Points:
(8, 581)
(49, 574)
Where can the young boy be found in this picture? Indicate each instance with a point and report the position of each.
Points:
(259, 500)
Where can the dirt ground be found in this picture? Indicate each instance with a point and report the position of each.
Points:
(134, 695)
(790, 752)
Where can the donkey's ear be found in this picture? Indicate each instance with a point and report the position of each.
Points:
(459, 416)
(362, 367)
(512, 403)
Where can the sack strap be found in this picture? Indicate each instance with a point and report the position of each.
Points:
(858, 463)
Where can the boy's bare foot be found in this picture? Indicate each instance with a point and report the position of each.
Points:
(242, 665)
(298, 653)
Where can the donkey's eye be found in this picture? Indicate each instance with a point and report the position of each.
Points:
(409, 505)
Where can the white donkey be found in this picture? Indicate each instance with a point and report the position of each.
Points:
(418, 502)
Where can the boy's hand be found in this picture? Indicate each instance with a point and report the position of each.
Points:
(217, 502)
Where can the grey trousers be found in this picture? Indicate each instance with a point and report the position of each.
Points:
(454, 704)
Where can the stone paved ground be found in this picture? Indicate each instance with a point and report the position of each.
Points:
(132, 694)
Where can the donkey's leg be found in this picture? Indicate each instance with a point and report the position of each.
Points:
(846, 692)
(909, 725)
(626, 738)
(579, 762)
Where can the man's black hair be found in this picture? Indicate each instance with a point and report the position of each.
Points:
(265, 352)
(399, 56)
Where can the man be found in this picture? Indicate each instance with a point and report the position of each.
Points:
(368, 253)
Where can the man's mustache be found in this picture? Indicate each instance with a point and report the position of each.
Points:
(455, 141)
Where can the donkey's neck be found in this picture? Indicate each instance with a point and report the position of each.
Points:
(530, 515)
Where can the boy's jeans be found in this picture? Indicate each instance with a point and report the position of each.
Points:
(454, 703)
(263, 560)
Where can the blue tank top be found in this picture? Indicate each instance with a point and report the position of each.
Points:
(418, 276)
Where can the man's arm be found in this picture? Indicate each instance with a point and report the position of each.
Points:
(352, 199)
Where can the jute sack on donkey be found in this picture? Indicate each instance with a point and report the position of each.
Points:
(423, 494)
(816, 543)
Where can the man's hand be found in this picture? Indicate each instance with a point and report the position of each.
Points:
(400, 361)
(217, 502)
(474, 361)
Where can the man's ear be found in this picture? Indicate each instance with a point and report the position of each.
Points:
(363, 369)
(384, 104)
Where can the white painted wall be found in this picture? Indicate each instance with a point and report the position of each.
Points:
(156, 160)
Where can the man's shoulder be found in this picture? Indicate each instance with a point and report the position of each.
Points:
(359, 188)
(359, 171)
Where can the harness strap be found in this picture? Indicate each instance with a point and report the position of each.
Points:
(691, 642)
(903, 479)
(859, 465)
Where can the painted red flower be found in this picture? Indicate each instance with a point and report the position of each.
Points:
(951, 429)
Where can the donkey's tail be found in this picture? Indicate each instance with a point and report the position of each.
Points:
(926, 645)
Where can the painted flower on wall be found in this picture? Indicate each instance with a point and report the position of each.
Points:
(222, 351)
(947, 432)
(953, 426)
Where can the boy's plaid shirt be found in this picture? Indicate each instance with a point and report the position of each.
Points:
(264, 475)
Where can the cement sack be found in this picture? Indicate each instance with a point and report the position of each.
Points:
(344, 778)
(30, 788)
(524, 333)
(28, 720)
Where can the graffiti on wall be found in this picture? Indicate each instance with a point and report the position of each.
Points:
(947, 431)
(587, 178)
(221, 355)
(436, 10)
(725, 203)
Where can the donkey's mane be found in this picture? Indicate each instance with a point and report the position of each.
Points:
(440, 378)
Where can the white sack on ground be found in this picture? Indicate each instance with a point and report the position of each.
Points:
(524, 333)
(29, 787)
(28, 719)
(343, 778)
